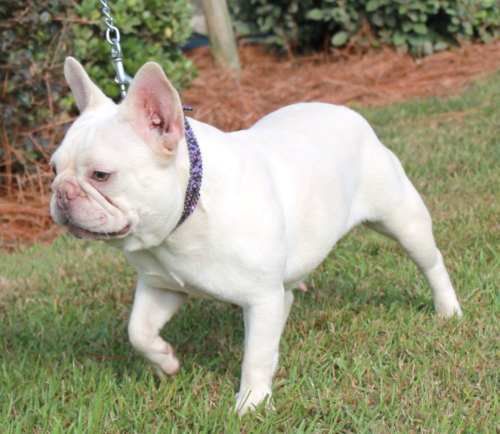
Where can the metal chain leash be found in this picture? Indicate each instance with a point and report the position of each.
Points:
(121, 78)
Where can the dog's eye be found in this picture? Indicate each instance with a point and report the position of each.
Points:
(100, 176)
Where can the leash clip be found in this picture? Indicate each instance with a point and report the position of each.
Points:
(121, 78)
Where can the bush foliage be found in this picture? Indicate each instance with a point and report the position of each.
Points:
(151, 30)
(36, 36)
(415, 26)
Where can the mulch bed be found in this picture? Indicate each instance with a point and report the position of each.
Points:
(265, 84)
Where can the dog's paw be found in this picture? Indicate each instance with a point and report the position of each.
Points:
(449, 311)
(251, 400)
(166, 363)
(446, 305)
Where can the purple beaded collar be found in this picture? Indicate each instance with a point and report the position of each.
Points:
(195, 171)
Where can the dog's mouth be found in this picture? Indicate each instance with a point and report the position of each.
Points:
(80, 232)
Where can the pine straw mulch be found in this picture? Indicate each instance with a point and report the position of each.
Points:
(265, 84)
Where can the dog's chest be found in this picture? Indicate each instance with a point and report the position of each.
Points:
(155, 272)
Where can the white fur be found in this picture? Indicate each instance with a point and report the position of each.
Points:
(274, 201)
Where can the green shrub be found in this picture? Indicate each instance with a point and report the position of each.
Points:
(36, 36)
(150, 29)
(417, 26)
(34, 42)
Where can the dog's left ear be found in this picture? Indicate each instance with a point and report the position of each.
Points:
(154, 107)
(86, 93)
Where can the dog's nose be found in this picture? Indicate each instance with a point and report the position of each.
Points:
(65, 193)
(70, 192)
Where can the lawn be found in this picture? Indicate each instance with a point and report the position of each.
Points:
(363, 350)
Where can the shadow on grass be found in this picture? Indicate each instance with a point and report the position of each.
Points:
(205, 334)
(351, 299)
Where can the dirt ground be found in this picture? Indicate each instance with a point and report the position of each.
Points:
(372, 78)
(265, 84)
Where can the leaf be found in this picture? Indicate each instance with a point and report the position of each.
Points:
(440, 46)
(44, 17)
(315, 14)
(24, 98)
(406, 26)
(340, 38)
(468, 29)
(486, 38)
(413, 16)
(420, 28)
(398, 38)
(372, 5)
(416, 41)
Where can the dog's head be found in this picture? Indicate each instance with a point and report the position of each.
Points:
(116, 177)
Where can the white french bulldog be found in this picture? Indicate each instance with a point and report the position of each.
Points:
(274, 201)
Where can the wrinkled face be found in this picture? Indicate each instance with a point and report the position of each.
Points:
(116, 177)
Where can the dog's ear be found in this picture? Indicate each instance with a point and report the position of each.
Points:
(154, 107)
(86, 93)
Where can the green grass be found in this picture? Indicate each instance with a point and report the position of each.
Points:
(362, 352)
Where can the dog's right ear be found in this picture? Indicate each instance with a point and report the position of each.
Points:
(154, 107)
(86, 93)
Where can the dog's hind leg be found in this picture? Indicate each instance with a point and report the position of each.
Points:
(400, 214)
(152, 309)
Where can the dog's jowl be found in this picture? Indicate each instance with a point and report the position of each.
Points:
(241, 217)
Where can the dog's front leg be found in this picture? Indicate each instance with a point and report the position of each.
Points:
(152, 309)
(263, 326)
